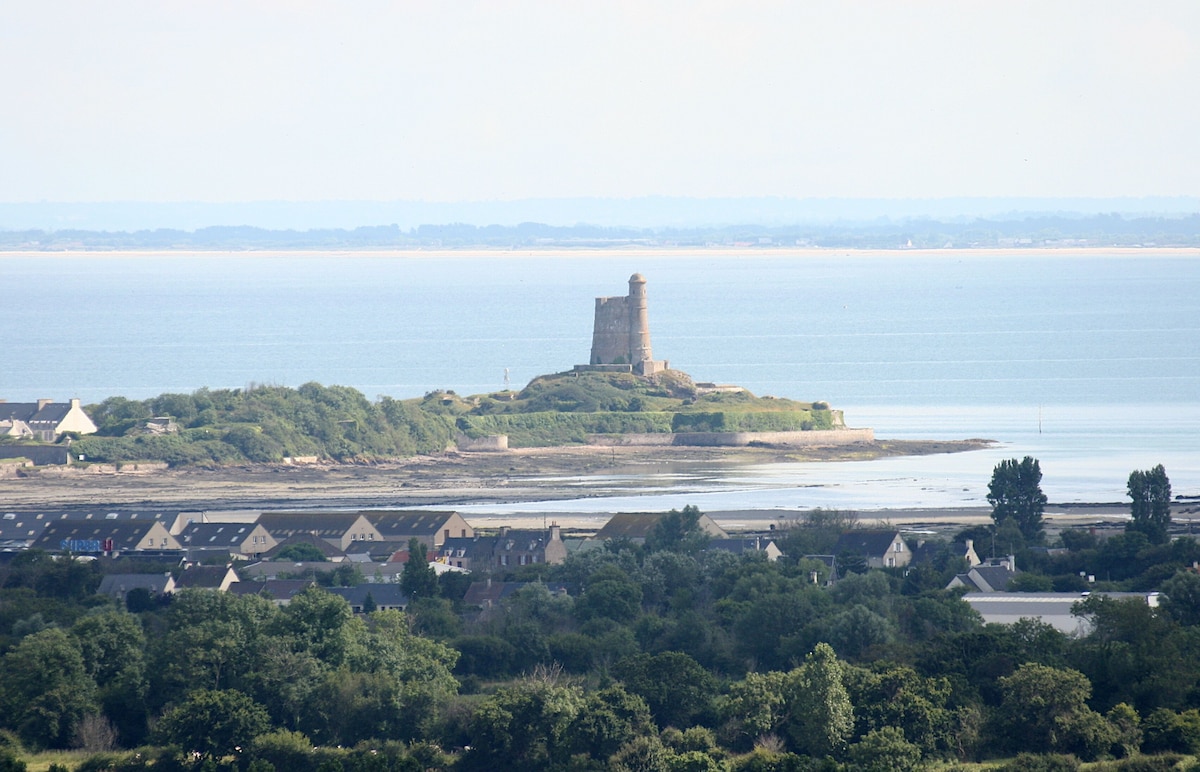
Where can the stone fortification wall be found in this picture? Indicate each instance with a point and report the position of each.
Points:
(810, 439)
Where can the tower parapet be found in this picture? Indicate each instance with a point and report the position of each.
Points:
(621, 333)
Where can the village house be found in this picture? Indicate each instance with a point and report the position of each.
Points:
(243, 540)
(748, 545)
(196, 577)
(879, 549)
(43, 420)
(340, 529)
(430, 528)
(992, 576)
(106, 536)
(474, 554)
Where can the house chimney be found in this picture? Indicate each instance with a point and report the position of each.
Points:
(74, 403)
(555, 532)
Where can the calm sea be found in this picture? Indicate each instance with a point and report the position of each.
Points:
(1089, 362)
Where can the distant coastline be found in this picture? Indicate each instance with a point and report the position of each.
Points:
(1068, 252)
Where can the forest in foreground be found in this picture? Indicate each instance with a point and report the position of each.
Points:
(662, 656)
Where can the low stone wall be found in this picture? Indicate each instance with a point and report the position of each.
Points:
(138, 467)
(809, 439)
(42, 455)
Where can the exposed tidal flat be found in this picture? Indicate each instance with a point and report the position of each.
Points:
(1085, 359)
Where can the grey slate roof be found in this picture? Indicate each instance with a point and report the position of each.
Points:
(738, 546)
(202, 577)
(327, 525)
(987, 578)
(471, 548)
(630, 525)
(19, 527)
(120, 584)
(395, 525)
(215, 534)
(864, 542)
(125, 535)
(46, 417)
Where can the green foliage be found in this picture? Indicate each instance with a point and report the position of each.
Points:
(540, 429)
(1050, 762)
(1150, 492)
(300, 553)
(747, 421)
(821, 715)
(676, 688)
(1015, 493)
(213, 723)
(262, 424)
(678, 531)
(885, 750)
(418, 579)
(45, 689)
(1045, 709)
(9, 761)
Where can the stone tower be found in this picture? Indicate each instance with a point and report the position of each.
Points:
(621, 334)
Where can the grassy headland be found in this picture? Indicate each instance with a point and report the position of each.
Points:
(268, 424)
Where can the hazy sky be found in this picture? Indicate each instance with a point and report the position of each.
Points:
(444, 101)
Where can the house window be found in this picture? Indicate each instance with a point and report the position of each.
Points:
(899, 546)
(891, 562)
(464, 533)
(370, 537)
(446, 534)
(504, 560)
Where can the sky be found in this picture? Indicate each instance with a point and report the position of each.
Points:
(253, 100)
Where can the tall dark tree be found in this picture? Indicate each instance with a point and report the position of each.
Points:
(1150, 492)
(1015, 493)
(418, 579)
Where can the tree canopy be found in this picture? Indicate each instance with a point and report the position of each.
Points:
(1015, 493)
(1150, 493)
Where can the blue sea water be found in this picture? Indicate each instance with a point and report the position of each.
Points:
(1089, 362)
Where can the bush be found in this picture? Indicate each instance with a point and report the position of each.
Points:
(1049, 762)
(9, 761)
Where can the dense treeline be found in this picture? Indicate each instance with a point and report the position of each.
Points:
(263, 424)
(665, 656)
